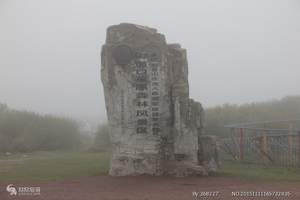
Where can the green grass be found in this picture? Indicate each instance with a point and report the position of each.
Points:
(53, 165)
(72, 165)
(258, 172)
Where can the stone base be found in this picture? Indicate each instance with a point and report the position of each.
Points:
(134, 165)
(184, 169)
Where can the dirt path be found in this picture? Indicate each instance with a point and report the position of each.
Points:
(149, 188)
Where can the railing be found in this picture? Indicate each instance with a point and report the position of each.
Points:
(255, 143)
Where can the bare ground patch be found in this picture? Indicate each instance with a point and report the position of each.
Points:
(149, 188)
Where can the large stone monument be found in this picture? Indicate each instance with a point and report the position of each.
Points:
(155, 127)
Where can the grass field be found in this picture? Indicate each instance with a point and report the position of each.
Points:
(71, 165)
(258, 172)
(53, 165)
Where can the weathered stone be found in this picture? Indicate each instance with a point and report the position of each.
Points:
(209, 153)
(155, 127)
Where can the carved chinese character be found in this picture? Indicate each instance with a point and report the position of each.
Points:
(140, 64)
(154, 103)
(155, 124)
(142, 113)
(155, 88)
(141, 71)
(155, 98)
(141, 95)
(155, 131)
(142, 103)
(155, 93)
(141, 78)
(154, 73)
(155, 108)
(154, 78)
(141, 130)
(154, 68)
(155, 119)
(155, 114)
(142, 122)
(141, 86)
(155, 83)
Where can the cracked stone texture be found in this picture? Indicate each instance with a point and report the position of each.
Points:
(155, 127)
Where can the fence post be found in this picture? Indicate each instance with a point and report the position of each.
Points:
(299, 148)
(264, 146)
(241, 144)
(290, 143)
(232, 135)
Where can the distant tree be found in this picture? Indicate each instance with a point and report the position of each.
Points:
(285, 108)
(22, 131)
(102, 138)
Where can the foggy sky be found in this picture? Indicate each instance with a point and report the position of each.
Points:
(238, 50)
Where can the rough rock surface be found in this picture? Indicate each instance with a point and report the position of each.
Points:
(155, 127)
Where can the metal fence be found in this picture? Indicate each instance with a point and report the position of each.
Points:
(255, 143)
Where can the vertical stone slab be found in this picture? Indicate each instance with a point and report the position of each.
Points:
(155, 127)
(136, 97)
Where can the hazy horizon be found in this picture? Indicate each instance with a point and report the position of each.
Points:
(238, 51)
